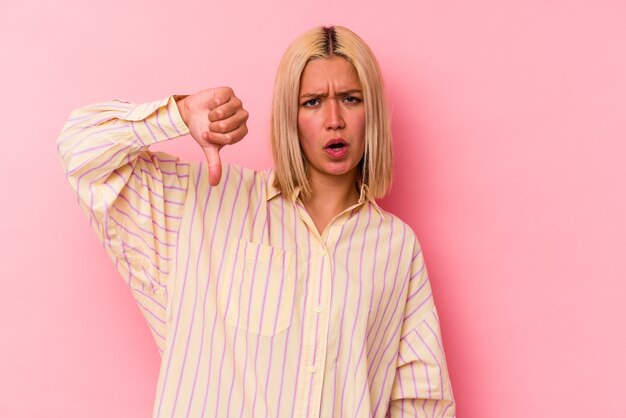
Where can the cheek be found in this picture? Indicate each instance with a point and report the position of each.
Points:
(359, 124)
(305, 129)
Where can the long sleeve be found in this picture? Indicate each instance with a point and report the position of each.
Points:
(422, 386)
(133, 197)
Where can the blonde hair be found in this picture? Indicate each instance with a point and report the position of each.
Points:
(323, 43)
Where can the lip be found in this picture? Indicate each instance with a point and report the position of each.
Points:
(337, 153)
(335, 141)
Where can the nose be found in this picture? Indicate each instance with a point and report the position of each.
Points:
(334, 117)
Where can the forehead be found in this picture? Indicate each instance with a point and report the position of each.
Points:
(322, 73)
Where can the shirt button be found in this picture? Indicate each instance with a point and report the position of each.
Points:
(318, 309)
(311, 369)
(324, 253)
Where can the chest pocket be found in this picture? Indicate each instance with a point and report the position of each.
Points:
(256, 292)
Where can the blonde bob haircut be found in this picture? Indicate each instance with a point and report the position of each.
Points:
(290, 164)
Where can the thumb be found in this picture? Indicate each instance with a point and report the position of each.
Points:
(212, 153)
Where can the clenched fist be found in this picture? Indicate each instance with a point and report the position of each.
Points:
(215, 117)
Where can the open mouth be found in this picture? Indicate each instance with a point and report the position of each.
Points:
(336, 148)
(336, 144)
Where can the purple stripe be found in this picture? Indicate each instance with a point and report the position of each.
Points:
(389, 299)
(386, 374)
(417, 356)
(383, 385)
(152, 314)
(175, 160)
(159, 161)
(155, 284)
(154, 138)
(158, 122)
(393, 314)
(148, 296)
(132, 126)
(450, 404)
(165, 215)
(154, 223)
(154, 208)
(139, 251)
(245, 364)
(386, 350)
(214, 227)
(173, 340)
(358, 306)
(151, 248)
(384, 279)
(414, 382)
(433, 354)
(98, 167)
(206, 290)
(193, 309)
(151, 192)
(345, 302)
(200, 252)
(156, 332)
(306, 291)
(234, 344)
(115, 127)
(169, 115)
(428, 298)
(267, 280)
(97, 147)
(364, 343)
(91, 194)
(417, 272)
(171, 187)
(413, 262)
(89, 116)
(416, 291)
(317, 323)
(297, 271)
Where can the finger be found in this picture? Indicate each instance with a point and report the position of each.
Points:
(225, 110)
(227, 138)
(220, 95)
(230, 124)
(211, 152)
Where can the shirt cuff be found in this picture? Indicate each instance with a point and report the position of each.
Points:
(157, 121)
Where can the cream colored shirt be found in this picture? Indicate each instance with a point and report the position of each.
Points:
(255, 313)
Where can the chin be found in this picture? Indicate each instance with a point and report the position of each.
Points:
(340, 171)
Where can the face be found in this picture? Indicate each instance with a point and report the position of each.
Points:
(331, 119)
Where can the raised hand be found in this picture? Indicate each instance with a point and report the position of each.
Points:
(215, 117)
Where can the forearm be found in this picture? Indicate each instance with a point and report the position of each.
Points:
(99, 139)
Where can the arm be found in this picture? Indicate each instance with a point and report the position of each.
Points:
(133, 197)
(422, 386)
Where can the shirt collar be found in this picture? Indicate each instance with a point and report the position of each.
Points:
(364, 195)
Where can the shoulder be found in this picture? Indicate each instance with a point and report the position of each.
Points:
(399, 229)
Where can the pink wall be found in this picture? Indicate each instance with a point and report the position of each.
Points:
(510, 129)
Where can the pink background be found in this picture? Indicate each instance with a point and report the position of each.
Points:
(510, 129)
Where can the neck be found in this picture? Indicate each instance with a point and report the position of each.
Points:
(331, 196)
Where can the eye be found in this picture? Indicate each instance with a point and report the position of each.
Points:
(352, 99)
(311, 103)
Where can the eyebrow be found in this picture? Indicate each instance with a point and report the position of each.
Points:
(324, 94)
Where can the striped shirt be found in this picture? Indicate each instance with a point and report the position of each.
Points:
(255, 313)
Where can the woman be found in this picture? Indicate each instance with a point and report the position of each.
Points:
(287, 292)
